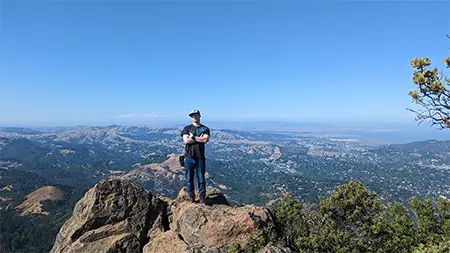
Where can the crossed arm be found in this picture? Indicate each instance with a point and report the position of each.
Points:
(187, 138)
(202, 139)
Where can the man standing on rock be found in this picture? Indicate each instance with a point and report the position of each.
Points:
(195, 136)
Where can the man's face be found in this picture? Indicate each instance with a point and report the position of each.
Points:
(195, 118)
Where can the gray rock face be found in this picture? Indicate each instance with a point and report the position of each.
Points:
(113, 214)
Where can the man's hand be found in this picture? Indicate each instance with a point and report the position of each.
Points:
(188, 138)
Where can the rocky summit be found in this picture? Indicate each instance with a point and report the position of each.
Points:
(119, 216)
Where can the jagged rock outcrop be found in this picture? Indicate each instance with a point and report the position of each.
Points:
(113, 216)
(119, 216)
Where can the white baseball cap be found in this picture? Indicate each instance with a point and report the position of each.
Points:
(195, 111)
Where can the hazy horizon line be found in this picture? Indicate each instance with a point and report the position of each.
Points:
(348, 124)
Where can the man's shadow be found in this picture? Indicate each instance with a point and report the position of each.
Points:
(216, 199)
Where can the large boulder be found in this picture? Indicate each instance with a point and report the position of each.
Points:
(208, 228)
(113, 216)
(217, 227)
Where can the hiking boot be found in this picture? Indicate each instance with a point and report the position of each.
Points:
(192, 199)
(202, 199)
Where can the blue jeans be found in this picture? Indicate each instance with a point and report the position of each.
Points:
(189, 166)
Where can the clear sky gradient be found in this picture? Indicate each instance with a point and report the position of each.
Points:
(106, 62)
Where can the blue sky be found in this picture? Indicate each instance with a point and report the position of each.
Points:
(105, 62)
